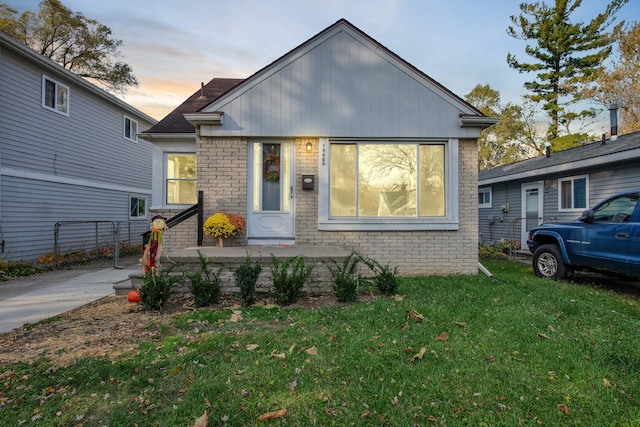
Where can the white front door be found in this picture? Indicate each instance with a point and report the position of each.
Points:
(532, 209)
(271, 216)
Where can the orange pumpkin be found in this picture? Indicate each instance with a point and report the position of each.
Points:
(133, 296)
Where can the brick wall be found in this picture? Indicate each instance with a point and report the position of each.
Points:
(222, 176)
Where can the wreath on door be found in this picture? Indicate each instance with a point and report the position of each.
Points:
(271, 167)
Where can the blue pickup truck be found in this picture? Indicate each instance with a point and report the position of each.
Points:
(605, 238)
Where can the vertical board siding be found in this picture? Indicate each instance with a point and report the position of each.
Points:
(86, 147)
(341, 87)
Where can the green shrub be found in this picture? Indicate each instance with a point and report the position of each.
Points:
(204, 284)
(246, 276)
(385, 278)
(156, 289)
(289, 276)
(345, 282)
(487, 251)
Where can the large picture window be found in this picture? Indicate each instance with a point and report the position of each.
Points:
(573, 193)
(386, 184)
(181, 179)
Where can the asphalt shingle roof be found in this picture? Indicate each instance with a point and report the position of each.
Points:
(175, 122)
(592, 150)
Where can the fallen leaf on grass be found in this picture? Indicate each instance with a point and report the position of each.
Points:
(606, 382)
(412, 314)
(175, 371)
(236, 316)
(312, 351)
(563, 408)
(443, 336)
(275, 355)
(418, 355)
(541, 335)
(275, 414)
(251, 347)
(462, 324)
(203, 420)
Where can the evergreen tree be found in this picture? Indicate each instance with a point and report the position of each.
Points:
(81, 45)
(566, 56)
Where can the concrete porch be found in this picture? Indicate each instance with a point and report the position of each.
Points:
(229, 258)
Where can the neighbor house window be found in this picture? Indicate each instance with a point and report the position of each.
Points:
(573, 193)
(137, 207)
(130, 129)
(387, 185)
(181, 179)
(484, 197)
(55, 96)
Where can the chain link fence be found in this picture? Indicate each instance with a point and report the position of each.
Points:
(80, 242)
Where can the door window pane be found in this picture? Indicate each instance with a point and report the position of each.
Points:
(271, 175)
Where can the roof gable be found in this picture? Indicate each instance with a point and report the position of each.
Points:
(342, 83)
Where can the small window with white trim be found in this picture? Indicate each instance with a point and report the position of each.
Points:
(484, 197)
(55, 96)
(130, 129)
(137, 207)
(573, 193)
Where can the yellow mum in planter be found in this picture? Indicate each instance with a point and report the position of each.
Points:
(223, 225)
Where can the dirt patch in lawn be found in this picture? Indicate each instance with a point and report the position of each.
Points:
(110, 327)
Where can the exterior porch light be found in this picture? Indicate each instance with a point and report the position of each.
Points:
(309, 146)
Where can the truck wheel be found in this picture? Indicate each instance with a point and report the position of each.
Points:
(548, 263)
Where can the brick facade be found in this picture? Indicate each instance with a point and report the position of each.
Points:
(222, 176)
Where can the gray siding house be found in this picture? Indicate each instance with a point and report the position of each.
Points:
(556, 187)
(338, 143)
(68, 152)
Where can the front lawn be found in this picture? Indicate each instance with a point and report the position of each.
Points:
(455, 350)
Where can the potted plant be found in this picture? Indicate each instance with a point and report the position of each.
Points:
(222, 226)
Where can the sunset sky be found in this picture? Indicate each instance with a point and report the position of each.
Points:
(174, 45)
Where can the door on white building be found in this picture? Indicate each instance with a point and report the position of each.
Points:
(532, 212)
(271, 194)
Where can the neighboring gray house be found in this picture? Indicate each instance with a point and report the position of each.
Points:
(339, 142)
(68, 152)
(558, 187)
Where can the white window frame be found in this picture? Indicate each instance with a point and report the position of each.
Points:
(166, 178)
(140, 215)
(55, 107)
(131, 126)
(448, 222)
(586, 189)
(486, 190)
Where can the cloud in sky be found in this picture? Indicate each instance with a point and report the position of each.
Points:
(174, 45)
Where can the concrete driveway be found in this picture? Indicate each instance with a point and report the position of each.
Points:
(35, 298)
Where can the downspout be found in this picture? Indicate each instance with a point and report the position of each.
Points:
(485, 271)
